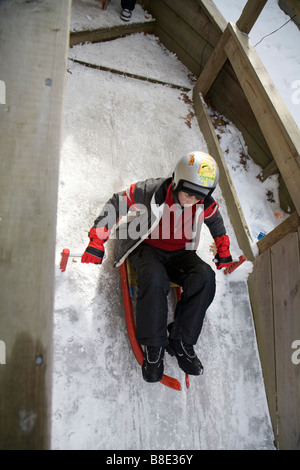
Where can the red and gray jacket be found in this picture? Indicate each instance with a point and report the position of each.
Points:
(130, 217)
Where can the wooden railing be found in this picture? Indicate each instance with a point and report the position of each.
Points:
(274, 284)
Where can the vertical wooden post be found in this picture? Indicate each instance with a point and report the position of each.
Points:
(33, 57)
(286, 294)
(234, 208)
(275, 298)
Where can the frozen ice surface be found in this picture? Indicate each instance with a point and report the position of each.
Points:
(119, 130)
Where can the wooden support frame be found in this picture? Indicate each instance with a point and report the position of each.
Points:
(33, 50)
(234, 208)
(286, 304)
(275, 300)
(274, 119)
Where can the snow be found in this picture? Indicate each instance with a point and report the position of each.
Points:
(119, 130)
(151, 60)
(88, 15)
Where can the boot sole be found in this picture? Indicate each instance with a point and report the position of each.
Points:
(152, 380)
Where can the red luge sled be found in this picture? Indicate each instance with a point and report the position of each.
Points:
(128, 281)
(104, 4)
(136, 347)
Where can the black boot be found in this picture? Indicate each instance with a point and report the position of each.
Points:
(186, 356)
(153, 365)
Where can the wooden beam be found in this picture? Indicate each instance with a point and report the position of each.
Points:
(104, 34)
(196, 17)
(289, 225)
(270, 169)
(291, 8)
(233, 205)
(178, 35)
(286, 294)
(294, 4)
(213, 14)
(261, 298)
(213, 66)
(33, 48)
(250, 13)
(274, 119)
(131, 75)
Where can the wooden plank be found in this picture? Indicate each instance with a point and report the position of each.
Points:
(104, 34)
(279, 129)
(196, 18)
(213, 14)
(145, 4)
(259, 77)
(213, 65)
(261, 298)
(229, 99)
(269, 170)
(286, 291)
(291, 8)
(181, 33)
(289, 225)
(250, 13)
(294, 4)
(33, 49)
(131, 75)
(233, 205)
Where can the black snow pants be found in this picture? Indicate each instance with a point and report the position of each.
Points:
(155, 269)
(128, 4)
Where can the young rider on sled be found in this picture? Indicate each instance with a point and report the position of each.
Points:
(160, 234)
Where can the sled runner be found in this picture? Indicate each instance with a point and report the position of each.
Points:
(104, 4)
(128, 280)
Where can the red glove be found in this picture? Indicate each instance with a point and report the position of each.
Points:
(223, 257)
(94, 253)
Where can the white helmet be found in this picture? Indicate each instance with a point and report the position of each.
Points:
(196, 173)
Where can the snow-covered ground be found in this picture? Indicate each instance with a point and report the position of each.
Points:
(119, 130)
